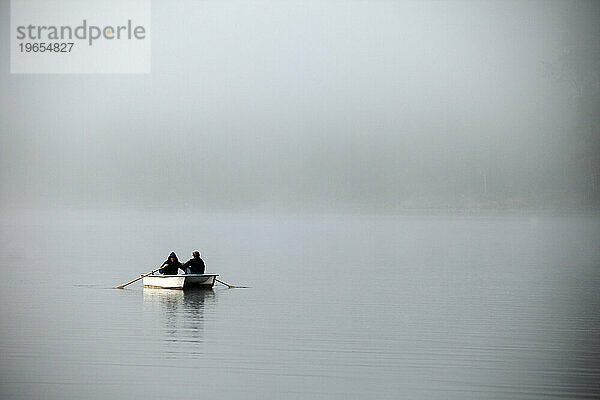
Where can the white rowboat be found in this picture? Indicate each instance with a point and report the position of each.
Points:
(188, 281)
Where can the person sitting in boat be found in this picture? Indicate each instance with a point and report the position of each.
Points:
(171, 266)
(194, 265)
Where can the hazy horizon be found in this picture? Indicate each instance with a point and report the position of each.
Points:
(360, 106)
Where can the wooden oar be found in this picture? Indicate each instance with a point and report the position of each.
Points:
(136, 279)
(226, 284)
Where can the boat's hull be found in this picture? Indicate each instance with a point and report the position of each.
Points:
(190, 281)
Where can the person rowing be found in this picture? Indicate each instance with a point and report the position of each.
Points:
(171, 266)
(194, 265)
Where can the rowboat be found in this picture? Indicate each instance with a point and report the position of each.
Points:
(187, 281)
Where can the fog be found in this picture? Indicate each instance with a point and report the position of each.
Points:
(359, 106)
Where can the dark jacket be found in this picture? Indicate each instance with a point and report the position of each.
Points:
(196, 265)
(170, 267)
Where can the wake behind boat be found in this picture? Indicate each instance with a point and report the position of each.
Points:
(186, 281)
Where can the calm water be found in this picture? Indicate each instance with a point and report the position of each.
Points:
(339, 307)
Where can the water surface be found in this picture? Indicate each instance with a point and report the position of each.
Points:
(348, 307)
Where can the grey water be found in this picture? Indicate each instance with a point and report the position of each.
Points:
(338, 307)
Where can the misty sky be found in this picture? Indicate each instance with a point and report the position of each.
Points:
(365, 105)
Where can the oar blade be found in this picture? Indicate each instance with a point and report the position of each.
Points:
(226, 284)
(231, 286)
(137, 279)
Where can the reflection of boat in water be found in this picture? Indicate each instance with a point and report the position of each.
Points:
(163, 296)
(184, 300)
(188, 281)
(183, 311)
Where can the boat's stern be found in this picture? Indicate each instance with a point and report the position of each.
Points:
(203, 281)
